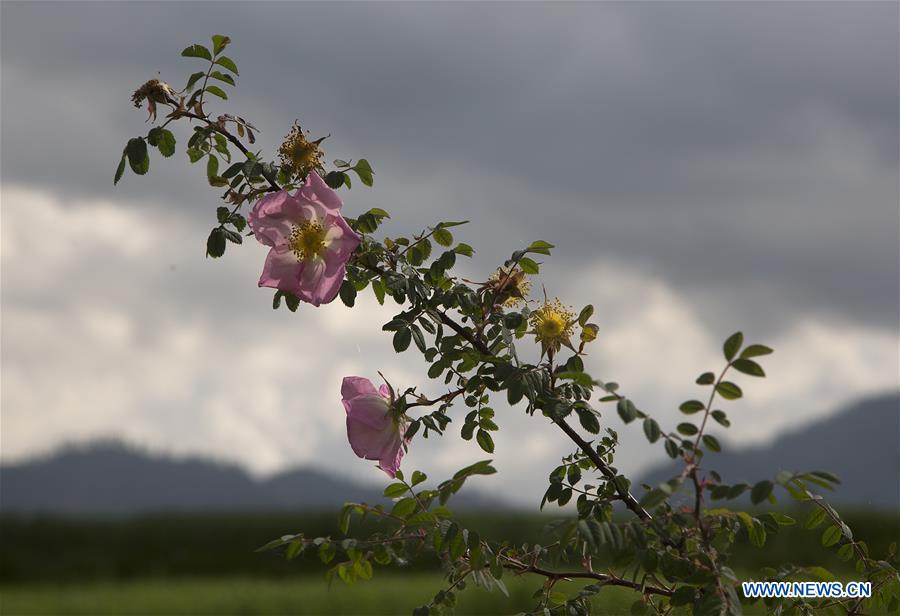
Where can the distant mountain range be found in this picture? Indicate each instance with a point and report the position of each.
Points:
(112, 478)
(860, 444)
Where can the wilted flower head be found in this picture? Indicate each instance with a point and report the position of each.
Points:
(510, 286)
(300, 154)
(374, 430)
(310, 241)
(552, 325)
(154, 91)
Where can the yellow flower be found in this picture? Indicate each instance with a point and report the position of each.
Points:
(300, 154)
(511, 287)
(552, 325)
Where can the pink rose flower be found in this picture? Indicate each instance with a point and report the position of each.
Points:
(374, 432)
(310, 241)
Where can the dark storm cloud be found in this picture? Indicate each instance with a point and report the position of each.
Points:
(734, 147)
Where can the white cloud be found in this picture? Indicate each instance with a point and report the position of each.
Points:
(101, 336)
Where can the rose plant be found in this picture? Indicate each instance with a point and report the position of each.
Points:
(673, 552)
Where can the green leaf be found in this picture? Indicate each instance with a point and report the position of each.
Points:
(327, 552)
(443, 237)
(215, 243)
(757, 534)
(233, 170)
(394, 490)
(334, 179)
(417, 478)
(651, 429)
(782, 519)
(653, 498)
(707, 378)
(557, 598)
(479, 468)
(228, 63)
(748, 366)
(732, 345)
(233, 236)
(755, 350)
(464, 249)
(761, 492)
(217, 91)
(830, 477)
(588, 420)
(212, 166)
(529, 266)
(626, 410)
(222, 77)
(167, 143)
(402, 338)
(195, 154)
(163, 139)
(404, 507)
(687, 428)
(194, 78)
(729, 390)
(683, 596)
(540, 247)
(418, 338)
(831, 536)
(348, 293)
(585, 314)
(721, 418)
(292, 301)
(138, 159)
(220, 42)
(816, 517)
(691, 406)
(196, 51)
(712, 443)
(484, 440)
(120, 170)
(365, 173)
(671, 449)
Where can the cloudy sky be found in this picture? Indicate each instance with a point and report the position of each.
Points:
(702, 168)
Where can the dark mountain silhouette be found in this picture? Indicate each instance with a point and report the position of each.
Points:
(860, 444)
(113, 478)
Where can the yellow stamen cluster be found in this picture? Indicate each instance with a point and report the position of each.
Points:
(511, 287)
(552, 325)
(307, 240)
(300, 154)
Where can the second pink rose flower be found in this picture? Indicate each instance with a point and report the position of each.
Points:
(374, 430)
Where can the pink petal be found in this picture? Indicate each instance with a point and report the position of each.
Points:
(385, 391)
(340, 239)
(366, 441)
(391, 457)
(315, 190)
(282, 271)
(268, 220)
(318, 285)
(353, 386)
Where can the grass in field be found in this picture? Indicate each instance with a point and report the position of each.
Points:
(387, 594)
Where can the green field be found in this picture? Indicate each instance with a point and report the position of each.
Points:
(386, 595)
(202, 564)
